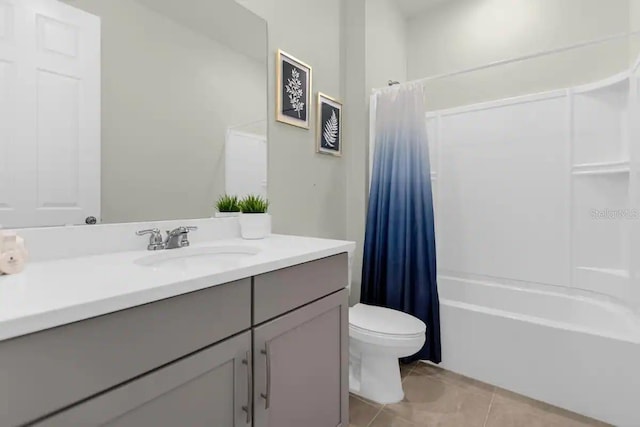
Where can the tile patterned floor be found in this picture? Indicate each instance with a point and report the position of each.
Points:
(439, 398)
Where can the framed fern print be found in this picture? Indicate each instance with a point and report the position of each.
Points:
(293, 91)
(329, 137)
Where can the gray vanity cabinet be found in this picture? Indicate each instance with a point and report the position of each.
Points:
(301, 366)
(209, 388)
(47, 371)
(266, 351)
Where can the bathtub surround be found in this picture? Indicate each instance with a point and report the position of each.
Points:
(586, 149)
(517, 181)
(399, 268)
(575, 352)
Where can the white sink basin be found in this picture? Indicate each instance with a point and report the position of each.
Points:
(198, 257)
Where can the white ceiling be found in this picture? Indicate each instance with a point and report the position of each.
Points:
(411, 7)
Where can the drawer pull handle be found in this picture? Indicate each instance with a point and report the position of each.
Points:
(267, 396)
(248, 408)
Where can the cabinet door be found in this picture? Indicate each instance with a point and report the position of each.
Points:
(301, 366)
(209, 388)
(103, 352)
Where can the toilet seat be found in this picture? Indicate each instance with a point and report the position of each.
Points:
(384, 326)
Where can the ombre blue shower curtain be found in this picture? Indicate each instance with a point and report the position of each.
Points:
(399, 266)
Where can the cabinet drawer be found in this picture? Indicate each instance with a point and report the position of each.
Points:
(49, 370)
(284, 290)
(210, 388)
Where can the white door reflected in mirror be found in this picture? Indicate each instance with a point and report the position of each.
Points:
(49, 114)
(246, 163)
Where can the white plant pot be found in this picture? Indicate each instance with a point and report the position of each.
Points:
(226, 214)
(255, 226)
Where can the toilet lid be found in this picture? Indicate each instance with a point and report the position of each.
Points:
(385, 320)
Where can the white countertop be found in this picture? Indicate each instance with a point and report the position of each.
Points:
(53, 293)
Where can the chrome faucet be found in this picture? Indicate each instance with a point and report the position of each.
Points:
(177, 238)
(155, 239)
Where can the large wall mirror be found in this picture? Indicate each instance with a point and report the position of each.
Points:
(129, 110)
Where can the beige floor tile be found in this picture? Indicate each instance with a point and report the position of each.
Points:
(405, 369)
(360, 412)
(512, 410)
(370, 402)
(438, 398)
(387, 419)
(469, 384)
(430, 401)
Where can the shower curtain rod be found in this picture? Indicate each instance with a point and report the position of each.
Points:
(509, 61)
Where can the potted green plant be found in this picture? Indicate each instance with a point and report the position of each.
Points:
(255, 222)
(227, 206)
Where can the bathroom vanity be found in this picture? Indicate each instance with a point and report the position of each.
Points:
(99, 331)
(260, 341)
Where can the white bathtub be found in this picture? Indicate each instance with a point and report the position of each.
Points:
(574, 351)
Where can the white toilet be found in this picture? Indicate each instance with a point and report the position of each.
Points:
(378, 337)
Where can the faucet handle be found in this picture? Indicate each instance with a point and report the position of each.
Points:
(155, 240)
(149, 231)
(183, 229)
(178, 238)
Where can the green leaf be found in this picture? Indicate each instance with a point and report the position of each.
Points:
(254, 204)
(227, 203)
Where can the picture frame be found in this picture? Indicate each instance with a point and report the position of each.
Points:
(293, 90)
(329, 125)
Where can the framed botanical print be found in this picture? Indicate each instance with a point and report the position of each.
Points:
(329, 137)
(293, 91)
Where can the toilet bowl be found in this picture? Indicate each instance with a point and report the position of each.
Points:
(378, 337)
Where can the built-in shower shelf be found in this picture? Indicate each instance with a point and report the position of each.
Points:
(606, 168)
(600, 114)
(618, 83)
(607, 271)
(611, 281)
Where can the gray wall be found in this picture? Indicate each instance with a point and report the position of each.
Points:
(356, 96)
(308, 191)
(634, 25)
(374, 51)
(168, 96)
(386, 43)
(460, 34)
(353, 46)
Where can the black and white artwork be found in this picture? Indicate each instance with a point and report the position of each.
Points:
(294, 88)
(329, 138)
